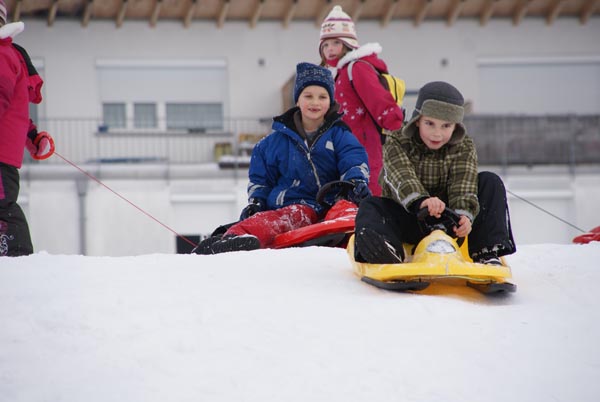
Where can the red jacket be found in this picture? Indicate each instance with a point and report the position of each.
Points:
(366, 101)
(14, 104)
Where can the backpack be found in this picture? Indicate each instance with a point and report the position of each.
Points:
(394, 85)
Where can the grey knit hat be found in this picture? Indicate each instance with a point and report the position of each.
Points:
(439, 100)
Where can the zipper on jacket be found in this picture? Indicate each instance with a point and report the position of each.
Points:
(314, 168)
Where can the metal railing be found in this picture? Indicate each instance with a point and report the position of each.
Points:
(90, 141)
(501, 140)
(536, 140)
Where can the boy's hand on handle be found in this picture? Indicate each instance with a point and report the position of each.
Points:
(360, 191)
(434, 205)
(40, 145)
(464, 227)
(256, 205)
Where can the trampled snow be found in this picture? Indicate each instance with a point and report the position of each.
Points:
(293, 325)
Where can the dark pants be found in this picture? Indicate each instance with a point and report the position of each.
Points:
(491, 228)
(14, 231)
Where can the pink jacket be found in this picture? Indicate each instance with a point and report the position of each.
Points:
(14, 104)
(368, 100)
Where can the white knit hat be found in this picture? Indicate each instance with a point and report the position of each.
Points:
(340, 26)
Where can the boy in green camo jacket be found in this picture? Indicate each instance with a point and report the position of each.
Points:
(432, 163)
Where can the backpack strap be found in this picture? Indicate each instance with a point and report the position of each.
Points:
(382, 137)
(362, 61)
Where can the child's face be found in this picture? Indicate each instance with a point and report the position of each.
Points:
(314, 103)
(332, 49)
(435, 133)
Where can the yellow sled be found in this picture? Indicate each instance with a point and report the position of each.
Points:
(436, 257)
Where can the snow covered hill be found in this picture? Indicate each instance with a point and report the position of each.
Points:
(293, 325)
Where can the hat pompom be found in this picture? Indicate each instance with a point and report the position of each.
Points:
(339, 25)
(308, 74)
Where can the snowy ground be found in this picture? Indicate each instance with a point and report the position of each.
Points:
(293, 325)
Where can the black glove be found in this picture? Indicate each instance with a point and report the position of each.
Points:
(360, 191)
(256, 205)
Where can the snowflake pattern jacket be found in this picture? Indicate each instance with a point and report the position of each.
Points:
(366, 101)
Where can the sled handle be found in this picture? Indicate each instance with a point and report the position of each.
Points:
(446, 223)
(344, 189)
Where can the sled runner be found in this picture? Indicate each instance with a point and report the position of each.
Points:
(438, 257)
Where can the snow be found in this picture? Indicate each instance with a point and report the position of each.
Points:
(293, 325)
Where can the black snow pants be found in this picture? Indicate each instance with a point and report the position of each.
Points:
(14, 231)
(491, 228)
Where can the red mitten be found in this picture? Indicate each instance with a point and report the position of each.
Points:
(40, 145)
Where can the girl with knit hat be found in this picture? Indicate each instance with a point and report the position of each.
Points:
(19, 85)
(366, 105)
(432, 163)
(309, 147)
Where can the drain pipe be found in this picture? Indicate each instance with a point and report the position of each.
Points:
(82, 189)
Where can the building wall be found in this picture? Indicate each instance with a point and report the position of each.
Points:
(73, 215)
(261, 60)
(70, 215)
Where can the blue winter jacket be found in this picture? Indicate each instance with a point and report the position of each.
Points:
(284, 170)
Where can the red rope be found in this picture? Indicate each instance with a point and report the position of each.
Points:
(125, 199)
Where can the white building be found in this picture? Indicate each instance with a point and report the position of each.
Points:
(98, 72)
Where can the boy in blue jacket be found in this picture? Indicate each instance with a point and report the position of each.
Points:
(309, 147)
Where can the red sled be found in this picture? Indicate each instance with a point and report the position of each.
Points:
(333, 231)
(592, 235)
(337, 226)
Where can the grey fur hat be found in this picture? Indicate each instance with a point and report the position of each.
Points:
(439, 100)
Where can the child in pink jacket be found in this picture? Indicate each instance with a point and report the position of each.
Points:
(19, 85)
(367, 106)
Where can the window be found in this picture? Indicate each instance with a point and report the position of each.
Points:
(539, 85)
(188, 95)
(144, 115)
(195, 116)
(114, 115)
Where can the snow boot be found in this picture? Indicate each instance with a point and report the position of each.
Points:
(235, 243)
(488, 257)
(373, 248)
(205, 246)
(224, 244)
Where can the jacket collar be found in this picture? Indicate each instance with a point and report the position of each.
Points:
(11, 30)
(363, 51)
